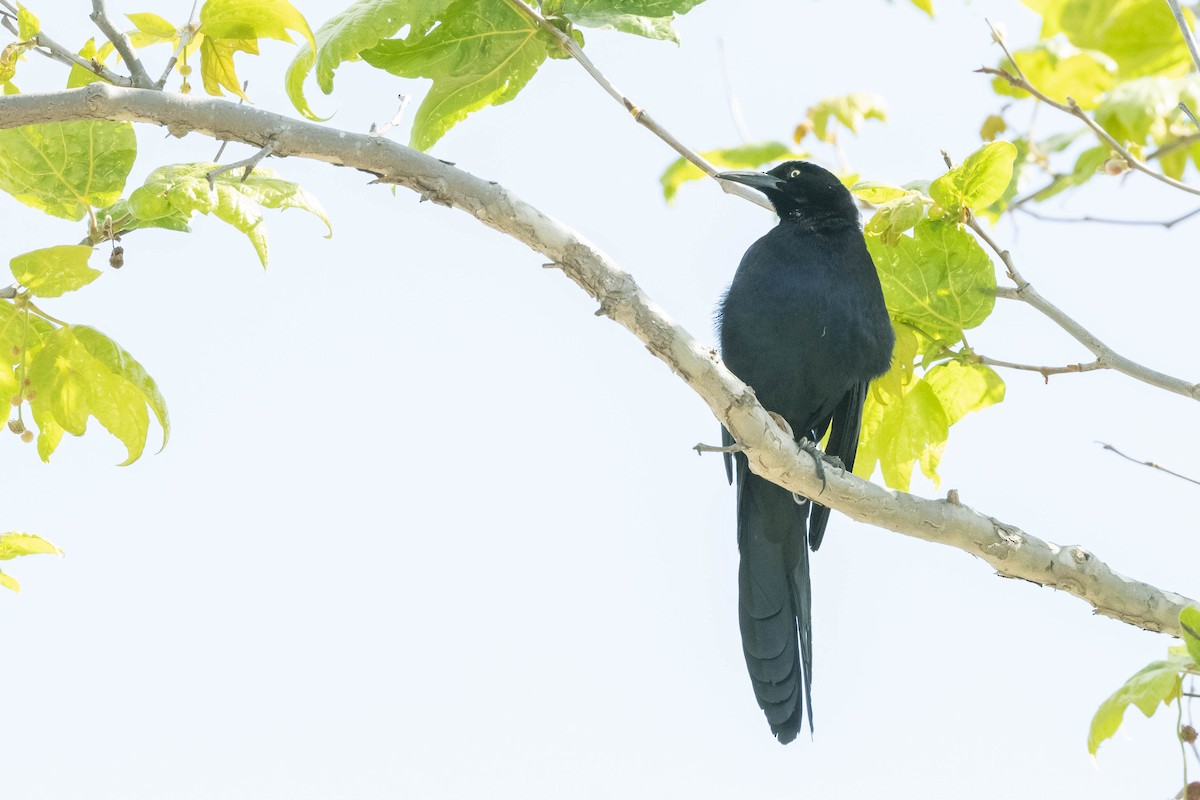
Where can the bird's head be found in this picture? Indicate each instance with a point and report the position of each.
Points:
(801, 191)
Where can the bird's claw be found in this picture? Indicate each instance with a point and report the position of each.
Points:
(818, 456)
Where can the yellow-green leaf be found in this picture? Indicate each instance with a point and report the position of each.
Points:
(924, 5)
(939, 280)
(232, 26)
(1140, 35)
(81, 373)
(362, 25)
(9, 582)
(852, 110)
(483, 53)
(154, 25)
(1189, 620)
(80, 76)
(901, 430)
(1061, 70)
(877, 193)
(62, 168)
(747, 156)
(175, 192)
(963, 388)
(53, 271)
(979, 181)
(896, 216)
(13, 544)
(1157, 682)
(28, 25)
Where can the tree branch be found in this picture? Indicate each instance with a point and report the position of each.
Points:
(639, 114)
(1164, 223)
(56, 52)
(1186, 31)
(1105, 355)
(1151, 464)
(771, 453)
(137, 71)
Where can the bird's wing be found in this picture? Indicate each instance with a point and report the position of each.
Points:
(843, 443)
(726, 441)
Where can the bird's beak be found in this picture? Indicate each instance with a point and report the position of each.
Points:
(755, 180)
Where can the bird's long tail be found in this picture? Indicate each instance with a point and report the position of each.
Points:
(775, 600)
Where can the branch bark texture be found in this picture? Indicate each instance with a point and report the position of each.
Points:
(771, 453)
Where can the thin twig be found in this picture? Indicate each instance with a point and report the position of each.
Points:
(1045, 372)
(141, 79)
(639, 114)
(1168, 223)
(1184, 108)
(56, 52)
(248, 163)
(1072, 108)
(1186, 31)
(1173, 145)
(1104, 354)
(224, 142)
(185, 38)
(735, 105)
(1151, 464)
(380, 130)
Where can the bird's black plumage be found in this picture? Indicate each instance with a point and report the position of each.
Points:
(804, 324)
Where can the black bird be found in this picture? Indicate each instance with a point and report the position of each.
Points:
(804, 324)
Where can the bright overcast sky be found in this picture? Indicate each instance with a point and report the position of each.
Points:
(427, 528)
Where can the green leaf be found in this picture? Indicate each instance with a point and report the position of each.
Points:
(53, 271)
(9, 582)
(154, 25)
(15, 544)
(1061, 70)
(173, 193)
(852, 110)
(900, 430)
(21, 335)
(483, 53)
(1146, 109)
(1140, 35)
(939, 280)
(28, 25)
(232, 26)
(1189, 620)
(878, 193)
(963, 388)
(979, 181)
(747, 156)
(62, 168)
(361, 26)
(1158, 682)
(1086, 167)
(80, 76)
(81, 373)
(650, 18)
(896, 216)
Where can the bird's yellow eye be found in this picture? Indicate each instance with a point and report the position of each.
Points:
(794, 173)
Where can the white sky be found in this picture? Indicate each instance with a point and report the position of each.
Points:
(428, 528)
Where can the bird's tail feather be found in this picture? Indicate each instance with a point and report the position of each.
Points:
(774, 600)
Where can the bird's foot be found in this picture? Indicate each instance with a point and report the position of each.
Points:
(702, 448)
(818, 457)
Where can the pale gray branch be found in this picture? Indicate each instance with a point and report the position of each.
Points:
(1105, 355)
(137, 71)
(771, 453)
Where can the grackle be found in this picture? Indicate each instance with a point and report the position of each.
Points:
(804, 324)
